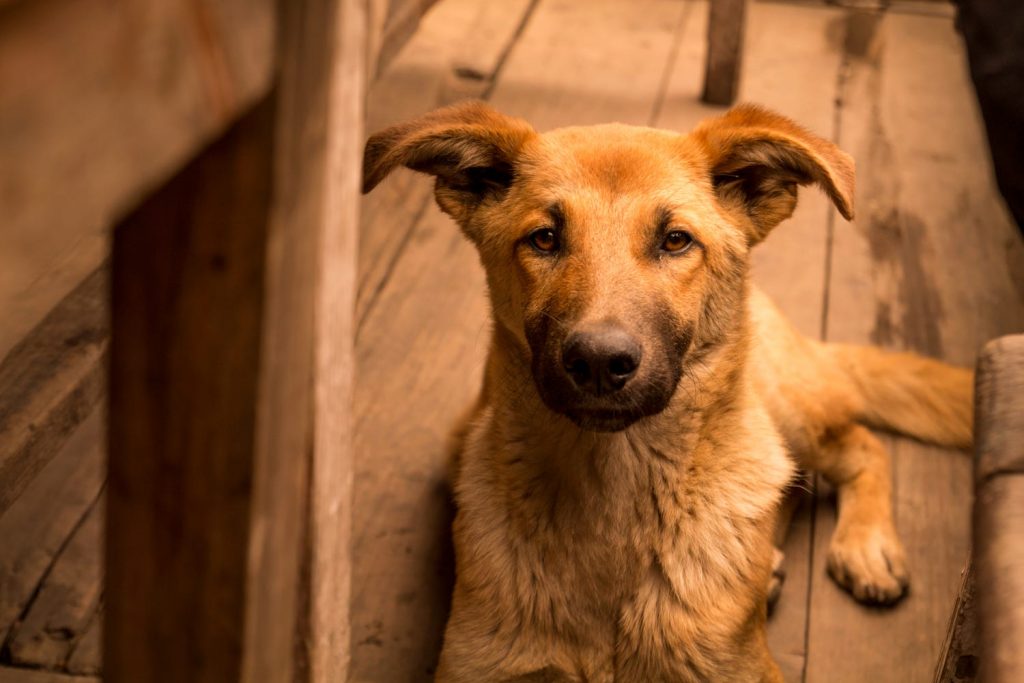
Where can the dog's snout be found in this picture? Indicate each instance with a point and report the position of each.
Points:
(601, 359)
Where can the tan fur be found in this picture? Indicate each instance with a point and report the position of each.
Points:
(645, 553)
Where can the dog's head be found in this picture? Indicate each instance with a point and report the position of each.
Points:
(614, 254)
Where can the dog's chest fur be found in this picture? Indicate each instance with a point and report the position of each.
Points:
(605, 557)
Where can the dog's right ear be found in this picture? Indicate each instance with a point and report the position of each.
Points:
(469, 147)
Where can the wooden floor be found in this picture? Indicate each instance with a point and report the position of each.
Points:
(932, 263)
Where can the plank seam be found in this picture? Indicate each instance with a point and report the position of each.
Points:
(396, 256)
(507, 50)
(830, 228)
(5, 650)
(673, 55)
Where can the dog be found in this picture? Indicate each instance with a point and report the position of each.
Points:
(644, 406)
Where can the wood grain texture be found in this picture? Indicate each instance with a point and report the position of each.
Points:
(726, 26)
(958, 659)
(18, 675)
(999, 509)
(66, 601)
(97, 105)
(420, 350)
(49, 382)
(999, 400)
(999, 553)
(86, 655)
(932, 264)
(188, 296)
(214, 394)
(324, 625)
(36, 528)
(419, 79)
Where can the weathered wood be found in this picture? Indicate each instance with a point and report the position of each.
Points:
(324, 627)
(726, 25)
(931, 263)
(998, 447)
(66, 600)
(419, 79)
(215, 393)
(999, 555)
(86, 656)
(420, 350)
(188, 296)
(97, 105)
(485, 46)
(50, 382)
(999, 509)
(16, 675)
(36, 527)
(958, 662)
(401, 20)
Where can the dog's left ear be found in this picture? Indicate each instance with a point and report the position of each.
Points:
(470, 148)
(757, 159)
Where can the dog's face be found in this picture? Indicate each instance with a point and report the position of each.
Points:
(613, 254)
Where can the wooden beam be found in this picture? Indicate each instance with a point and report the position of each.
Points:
(231, 346)
(725, 51)
(324, 627)
(999, 508)
(98, 105)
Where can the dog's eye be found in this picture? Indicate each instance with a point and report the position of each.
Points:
(677, 241)
(544, 240)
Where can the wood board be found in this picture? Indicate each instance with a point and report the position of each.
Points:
(931, 264)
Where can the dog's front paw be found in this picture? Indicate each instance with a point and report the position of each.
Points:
(870, 563)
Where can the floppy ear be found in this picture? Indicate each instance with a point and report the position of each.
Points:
(757, 159)
(469, 147)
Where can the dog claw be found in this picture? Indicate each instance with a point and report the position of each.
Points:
(870, 563)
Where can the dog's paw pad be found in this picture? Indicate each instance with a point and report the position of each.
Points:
(871, 564)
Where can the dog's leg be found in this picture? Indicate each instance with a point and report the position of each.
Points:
(865, 554)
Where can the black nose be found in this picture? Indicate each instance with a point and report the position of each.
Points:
(600, 359)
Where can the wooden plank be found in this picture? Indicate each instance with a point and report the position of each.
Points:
(86, 655)
(786, 46)
(998, 519)
(324, 627)
(931, 263)
(420, 351)
(219, 301)
(36, 527)
(726, 25)
(999, 508)
(1000, 413)
(97, 105)
(50, 382)
(16, 675)
(66, 600)
(422, 77)
(188, 280)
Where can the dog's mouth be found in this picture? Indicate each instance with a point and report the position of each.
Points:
(610, 413)
(603, 420)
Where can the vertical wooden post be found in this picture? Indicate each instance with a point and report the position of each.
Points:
(230, 471)
(324, 618)
(725, 51)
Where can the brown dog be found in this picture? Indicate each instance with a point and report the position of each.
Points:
(644, 406)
